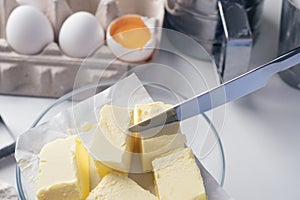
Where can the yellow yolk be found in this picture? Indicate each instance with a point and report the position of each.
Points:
(131, 33)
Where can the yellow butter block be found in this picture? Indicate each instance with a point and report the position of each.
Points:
(103, 170)
(154, 147)
(177, 176)
(63, 170)
(112, 146)
(95, 177)
(144, 111)
(116, 186)
(167, 139)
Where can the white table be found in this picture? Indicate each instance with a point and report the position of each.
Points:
(260, 133)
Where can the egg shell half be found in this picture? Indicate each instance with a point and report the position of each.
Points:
(133, 55)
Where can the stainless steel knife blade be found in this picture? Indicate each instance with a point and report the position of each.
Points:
(226, 92)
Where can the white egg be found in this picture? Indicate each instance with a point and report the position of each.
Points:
(142, 48)
(28, 30)
(80, 35)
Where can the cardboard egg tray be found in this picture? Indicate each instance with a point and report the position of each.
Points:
(52, 73)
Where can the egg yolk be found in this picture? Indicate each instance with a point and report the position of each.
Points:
(130, 32)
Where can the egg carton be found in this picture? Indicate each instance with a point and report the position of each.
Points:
(52, 73)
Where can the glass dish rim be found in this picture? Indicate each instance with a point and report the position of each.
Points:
(104, 84)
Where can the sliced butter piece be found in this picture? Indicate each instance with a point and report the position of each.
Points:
(154, 147)
(177, 176)
(112, 146)
(115, 186)
(63, 170)
(104, 169)
(167, 139)
(95, 177)
(144, 111)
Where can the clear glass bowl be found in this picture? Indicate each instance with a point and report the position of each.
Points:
(214, 161)
(186, 77)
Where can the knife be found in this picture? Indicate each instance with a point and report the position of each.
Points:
(226, 92)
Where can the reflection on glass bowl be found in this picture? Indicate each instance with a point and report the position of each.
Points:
(214, 161)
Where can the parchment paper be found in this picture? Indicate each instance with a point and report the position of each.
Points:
(81, 119)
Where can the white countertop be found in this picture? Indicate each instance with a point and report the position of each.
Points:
(260, 134)
(261, 131)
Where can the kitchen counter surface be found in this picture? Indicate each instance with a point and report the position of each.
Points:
(260, 133)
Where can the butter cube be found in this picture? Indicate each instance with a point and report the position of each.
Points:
(63, 170)
(112, 146)
(144, 111)
(94, 175)
(167, 139)
(177, 176)
(115, 186)
(154, 147)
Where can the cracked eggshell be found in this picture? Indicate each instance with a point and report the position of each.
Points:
(28, 30)
(132, 55)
